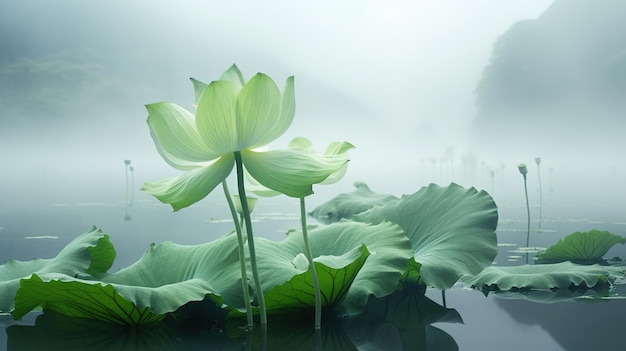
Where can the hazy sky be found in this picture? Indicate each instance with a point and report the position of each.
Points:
(395, 78)
(413, 63)
(412, 66)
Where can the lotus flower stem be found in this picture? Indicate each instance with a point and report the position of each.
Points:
(250, 235)
(443, 297)
(523, 170)
(309, 255)
(242, 258)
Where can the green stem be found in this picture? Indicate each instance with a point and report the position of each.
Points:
(540, 195)
(527, 213)
(309, 255)
(250, 235)
(242, 257)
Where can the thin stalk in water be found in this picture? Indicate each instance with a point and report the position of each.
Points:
(309, 255)
(523, 170)
(242, 258)
(126, 164)
(250, 235)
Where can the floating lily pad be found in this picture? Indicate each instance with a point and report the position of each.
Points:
(544, 276)
(582, 247)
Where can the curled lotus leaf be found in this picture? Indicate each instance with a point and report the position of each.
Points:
(451, 229)
(90, 252)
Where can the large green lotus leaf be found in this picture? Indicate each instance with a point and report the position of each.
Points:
(297, 294)
(348, 204)
(582, 247)
(79, 298)
(544, 276)
(452, 230)
(90, 252)
(335, 246)
(167, 277)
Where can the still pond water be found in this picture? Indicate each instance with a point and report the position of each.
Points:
(470, 321)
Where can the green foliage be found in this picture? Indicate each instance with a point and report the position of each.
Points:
(90, 252)
(451, 229)
(295, 295)
(389, 250)
(82, 299)
(582, 247)
(170, 276)
(544, 276)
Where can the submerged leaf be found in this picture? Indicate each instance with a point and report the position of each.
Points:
(451, 229)
(582, 247)
(544, 276)
(90, 252)
(347, 205)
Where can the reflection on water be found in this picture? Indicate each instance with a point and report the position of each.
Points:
(581, 324)
(404, 321)
(398, 322)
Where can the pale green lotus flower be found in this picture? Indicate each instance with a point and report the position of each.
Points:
(334, 149)
(232, 116)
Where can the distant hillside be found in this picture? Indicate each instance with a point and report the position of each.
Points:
(563, 73)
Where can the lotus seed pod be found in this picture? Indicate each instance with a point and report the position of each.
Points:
(522, 169)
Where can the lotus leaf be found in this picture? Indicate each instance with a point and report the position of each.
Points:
(79, 298)
(169, 276)
(582, 247)
(297, 293)
(544, 276)
(337, 245)
(451, 229)
(347, 205)
(90, 252)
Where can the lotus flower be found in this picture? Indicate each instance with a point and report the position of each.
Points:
(333, 150)
(233, 118)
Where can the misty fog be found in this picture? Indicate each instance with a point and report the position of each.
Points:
(411, 84)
